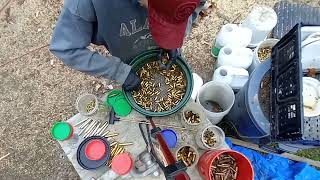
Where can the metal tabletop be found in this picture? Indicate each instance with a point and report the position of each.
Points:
(129, 132)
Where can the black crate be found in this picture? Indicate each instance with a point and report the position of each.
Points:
(286, 95)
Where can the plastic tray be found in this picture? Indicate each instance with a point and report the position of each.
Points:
(287, 104)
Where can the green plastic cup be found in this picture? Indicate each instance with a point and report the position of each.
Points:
(61, 131)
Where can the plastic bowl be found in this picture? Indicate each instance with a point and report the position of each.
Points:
(150, 56)
(194, 149)
(218, 133)
(82, 102)
(196, 109)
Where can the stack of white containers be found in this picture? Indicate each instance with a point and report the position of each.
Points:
(234, 58)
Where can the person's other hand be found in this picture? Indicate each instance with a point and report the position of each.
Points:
(172, 55)
(132, 83)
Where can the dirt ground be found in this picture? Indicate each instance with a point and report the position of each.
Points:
(38, 90)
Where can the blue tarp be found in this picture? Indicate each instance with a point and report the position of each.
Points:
(273, 167)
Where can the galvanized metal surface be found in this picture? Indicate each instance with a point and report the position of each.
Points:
(128, 132)
(311, 128)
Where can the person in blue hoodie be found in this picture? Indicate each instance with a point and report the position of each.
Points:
(125, 27)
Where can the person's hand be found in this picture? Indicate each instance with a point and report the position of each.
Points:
(172, 57)
(132, 83)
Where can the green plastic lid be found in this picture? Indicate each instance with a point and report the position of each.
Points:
(122, 107)
(113, 96)
(61, 131)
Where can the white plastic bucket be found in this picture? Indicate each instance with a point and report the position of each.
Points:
(261, 21)
(219, 134)
(220, 93)
(266, 43)
(196, 109)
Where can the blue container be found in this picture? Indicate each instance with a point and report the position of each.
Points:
(246, 115)
(170, 137)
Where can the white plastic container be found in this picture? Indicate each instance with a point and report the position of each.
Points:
(308, 30)
(261, 21)
(236, 78)
(310, 54)
(197, 83)
(220, 93)
(83, 100)
(99, 110)
(219, 134)
(231, 35)
(196, 109)
(235, 57)
(311, 97)
(256, 61)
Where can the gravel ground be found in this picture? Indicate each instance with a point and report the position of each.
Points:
(38, 90)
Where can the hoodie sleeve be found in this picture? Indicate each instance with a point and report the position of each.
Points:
(72, 36)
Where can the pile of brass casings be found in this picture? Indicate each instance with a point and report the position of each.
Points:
(161, 90)
(224, 168)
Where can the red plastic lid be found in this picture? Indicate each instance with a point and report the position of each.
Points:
(122, 164)
(95, 149)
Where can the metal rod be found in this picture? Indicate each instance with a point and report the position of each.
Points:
(101, 128)
(104, 126)
(92, 124)
(107, 132)
(85, 124)
(81, 122)
(82, 131)
(160, 125)
(95, 130)
(111, 135)
(91, 129)
(126, 144)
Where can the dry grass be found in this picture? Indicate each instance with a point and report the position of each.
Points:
(37, 89)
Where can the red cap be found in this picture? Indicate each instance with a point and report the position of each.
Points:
(168, 21)
(122, 164)
(95, 150)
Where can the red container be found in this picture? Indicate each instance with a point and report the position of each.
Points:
(245, 171)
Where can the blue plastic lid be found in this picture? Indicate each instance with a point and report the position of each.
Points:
(170, 137)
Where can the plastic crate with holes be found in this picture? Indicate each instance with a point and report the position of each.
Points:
(288, 122)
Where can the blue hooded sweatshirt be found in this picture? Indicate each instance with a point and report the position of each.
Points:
(120, 25)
